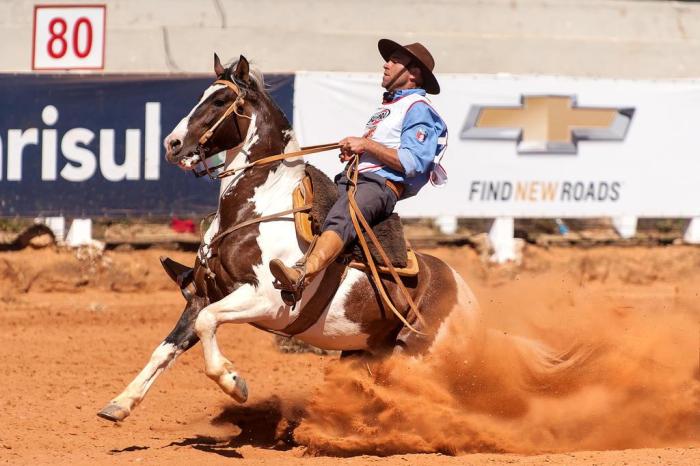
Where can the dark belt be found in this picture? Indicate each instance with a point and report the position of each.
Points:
(397, 188)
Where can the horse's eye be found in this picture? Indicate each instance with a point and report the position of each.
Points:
(219, 103)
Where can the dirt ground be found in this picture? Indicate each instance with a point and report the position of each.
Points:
(77, 326)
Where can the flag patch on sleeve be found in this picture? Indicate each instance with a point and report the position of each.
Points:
(420, 135)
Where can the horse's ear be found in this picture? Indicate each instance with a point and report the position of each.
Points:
(242, 70)
(218, 68)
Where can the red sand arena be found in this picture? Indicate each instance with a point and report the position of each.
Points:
(573, 140)
(77, 327)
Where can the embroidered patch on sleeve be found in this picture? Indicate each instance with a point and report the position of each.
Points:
(420, 135)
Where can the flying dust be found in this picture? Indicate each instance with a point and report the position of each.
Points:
(632, 382)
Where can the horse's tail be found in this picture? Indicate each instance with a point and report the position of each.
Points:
(537, 365)
(524, 361)
(541, 367)
(465, 317)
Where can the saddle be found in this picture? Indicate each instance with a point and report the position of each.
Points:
(317, 190)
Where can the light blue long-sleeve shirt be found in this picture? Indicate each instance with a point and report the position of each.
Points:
(416, 156)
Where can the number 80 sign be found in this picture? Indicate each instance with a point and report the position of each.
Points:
(68, 37)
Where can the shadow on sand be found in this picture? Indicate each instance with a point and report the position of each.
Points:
(262, 425)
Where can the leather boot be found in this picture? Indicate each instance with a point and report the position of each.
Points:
(293, 280)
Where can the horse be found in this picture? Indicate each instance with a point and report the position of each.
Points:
(234, 285)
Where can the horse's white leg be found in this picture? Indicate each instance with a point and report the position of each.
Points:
(120, 407)
(180, 339)
(246, 304)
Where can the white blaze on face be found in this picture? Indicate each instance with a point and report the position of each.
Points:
(180, 130)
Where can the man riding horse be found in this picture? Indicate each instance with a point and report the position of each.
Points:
(230, 283)
(396, 158)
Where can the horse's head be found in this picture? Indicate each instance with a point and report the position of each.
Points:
(219, 121)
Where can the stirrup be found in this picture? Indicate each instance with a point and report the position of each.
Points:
(180, 274)
(291, 291)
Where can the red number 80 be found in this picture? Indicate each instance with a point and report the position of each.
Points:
(58, 36)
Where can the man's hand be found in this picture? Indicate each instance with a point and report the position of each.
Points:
(345, 156)
(350, 146)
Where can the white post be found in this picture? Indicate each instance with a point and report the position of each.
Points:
(80, 233)
(626, 226)
(502, 240)
(447, 224)
(57, 226)
(692, 232)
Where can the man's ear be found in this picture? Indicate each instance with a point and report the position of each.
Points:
(416, 75)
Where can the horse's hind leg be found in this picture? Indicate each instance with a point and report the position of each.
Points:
(246, 304)
(180, 339)
(444, 294)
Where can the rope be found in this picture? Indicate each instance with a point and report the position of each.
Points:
(357, 219)
(221, 235)
(283, 156)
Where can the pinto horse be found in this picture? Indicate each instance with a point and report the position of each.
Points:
(238, 286)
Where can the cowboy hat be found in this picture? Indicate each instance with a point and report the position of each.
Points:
(421, 57)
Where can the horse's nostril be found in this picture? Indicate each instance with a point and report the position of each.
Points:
(174, 143)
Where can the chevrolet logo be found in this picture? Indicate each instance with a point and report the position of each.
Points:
(550, 124)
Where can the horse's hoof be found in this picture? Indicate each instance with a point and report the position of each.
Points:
(240, 392)
(236, 387)
(113, 412)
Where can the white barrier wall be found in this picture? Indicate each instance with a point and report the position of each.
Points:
(535, 146)
(612, 38)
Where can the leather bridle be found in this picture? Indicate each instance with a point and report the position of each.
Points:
(234, 108)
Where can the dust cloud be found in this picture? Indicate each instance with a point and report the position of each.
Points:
(632, 381)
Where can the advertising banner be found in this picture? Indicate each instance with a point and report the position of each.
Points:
(91, 145)
(535, 146)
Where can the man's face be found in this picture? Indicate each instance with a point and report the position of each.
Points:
(396, 74)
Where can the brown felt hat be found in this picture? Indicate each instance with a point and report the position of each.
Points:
(421, 57)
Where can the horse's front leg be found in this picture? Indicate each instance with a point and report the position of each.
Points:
(180, 339)
(246, 304)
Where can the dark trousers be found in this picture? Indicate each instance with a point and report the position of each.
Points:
(375, 200)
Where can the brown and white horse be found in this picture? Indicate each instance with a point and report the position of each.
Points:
(240, 290)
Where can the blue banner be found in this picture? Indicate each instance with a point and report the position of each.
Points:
(91, 145)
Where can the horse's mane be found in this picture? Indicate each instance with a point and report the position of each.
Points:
(258, 83)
